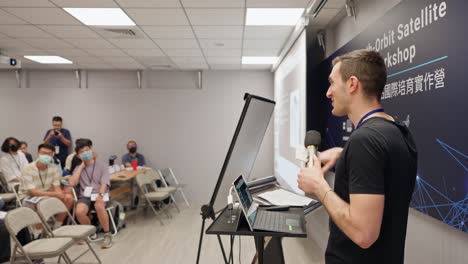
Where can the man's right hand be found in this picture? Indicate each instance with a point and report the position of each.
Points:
(51, 134)
(329, 158)
(60, 196)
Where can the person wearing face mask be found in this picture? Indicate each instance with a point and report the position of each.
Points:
(41, 178)
(13, 161)
(94, 180)
(133, 155)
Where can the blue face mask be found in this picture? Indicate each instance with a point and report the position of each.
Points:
(45, 159)
(87, 155)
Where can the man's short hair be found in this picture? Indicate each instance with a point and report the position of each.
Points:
(57, 119)
(46, 146)
(6, 144)
(131, 141)
(82, 143)
(368, 66)
(23, 143)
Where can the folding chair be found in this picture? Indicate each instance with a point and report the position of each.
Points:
(170, 189)
(109, 212)
(20, 218)
(49, 208)
(167, 173)
(10, 192)
(145, 180)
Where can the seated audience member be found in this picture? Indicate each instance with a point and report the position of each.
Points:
(41, 179)
(94, 180)
(60, 138)
(133, 155)
(73, 160)
(13, 161)
(24, 149)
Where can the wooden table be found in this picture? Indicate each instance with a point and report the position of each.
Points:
(125, 189)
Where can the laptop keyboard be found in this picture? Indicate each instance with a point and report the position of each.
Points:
(270, 220)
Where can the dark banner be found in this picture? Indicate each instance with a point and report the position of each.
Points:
(419, 40)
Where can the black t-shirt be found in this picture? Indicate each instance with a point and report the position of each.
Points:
(379, 158)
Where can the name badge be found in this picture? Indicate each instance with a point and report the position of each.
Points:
(88, 191)
(57, 150)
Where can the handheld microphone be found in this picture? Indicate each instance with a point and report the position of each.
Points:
(311, 142)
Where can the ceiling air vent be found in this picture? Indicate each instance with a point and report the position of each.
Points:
(120, 32)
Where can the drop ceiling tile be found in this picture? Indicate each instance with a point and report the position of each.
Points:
(85, 60)
(118, 59)
(47, 43)
(106, 52)
(144, 52)
(8, 19)
(225, 66)
(268, 32)
(85, 3)
(183, 52)
(23, 52)
(222, 52)
(221, 43)
(261, 52)
(23, 31)
(214, 3)
(177, 43)
(169, 32)
(70, 32)
(223, 60)
(188, 60)
(195, 66)
(278, 3)
(91, 43)
(25, 3)
(129, 66)
(158, 17)
(219, 32)
(149, 3)
(134, 43)
(9, 43)
(68, 52)
(215, 17)
(256, 66)
(263, 44)
(44, 16)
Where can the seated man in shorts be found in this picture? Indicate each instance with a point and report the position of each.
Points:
(94, 180)
(40, 179)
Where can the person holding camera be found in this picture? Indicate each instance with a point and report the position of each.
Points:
(60, 138)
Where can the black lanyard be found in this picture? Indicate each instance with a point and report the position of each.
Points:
(92, 173)
(17, 164)
(368, 114)
(40, 176)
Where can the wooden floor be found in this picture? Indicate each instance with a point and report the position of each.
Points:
(144, 240)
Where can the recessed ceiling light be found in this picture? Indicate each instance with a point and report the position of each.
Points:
(259, 60)
(273, 16)
(101, 16)
(49, 59)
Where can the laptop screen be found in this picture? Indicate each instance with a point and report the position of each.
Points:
(245, 198)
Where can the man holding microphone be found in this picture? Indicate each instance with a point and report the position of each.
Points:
(375, 172)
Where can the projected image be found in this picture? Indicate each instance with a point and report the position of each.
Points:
(295, 120)
(290, 85)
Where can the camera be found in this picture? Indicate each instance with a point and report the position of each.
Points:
(56, 132)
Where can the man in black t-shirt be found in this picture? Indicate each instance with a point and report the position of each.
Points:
(375, 172)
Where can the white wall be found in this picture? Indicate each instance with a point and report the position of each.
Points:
(428, 240)
(175, 124)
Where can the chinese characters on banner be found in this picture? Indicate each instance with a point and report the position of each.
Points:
(414, 85)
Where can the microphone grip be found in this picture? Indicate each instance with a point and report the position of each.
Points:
(312, 152)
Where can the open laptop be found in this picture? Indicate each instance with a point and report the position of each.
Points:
(259, 219)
